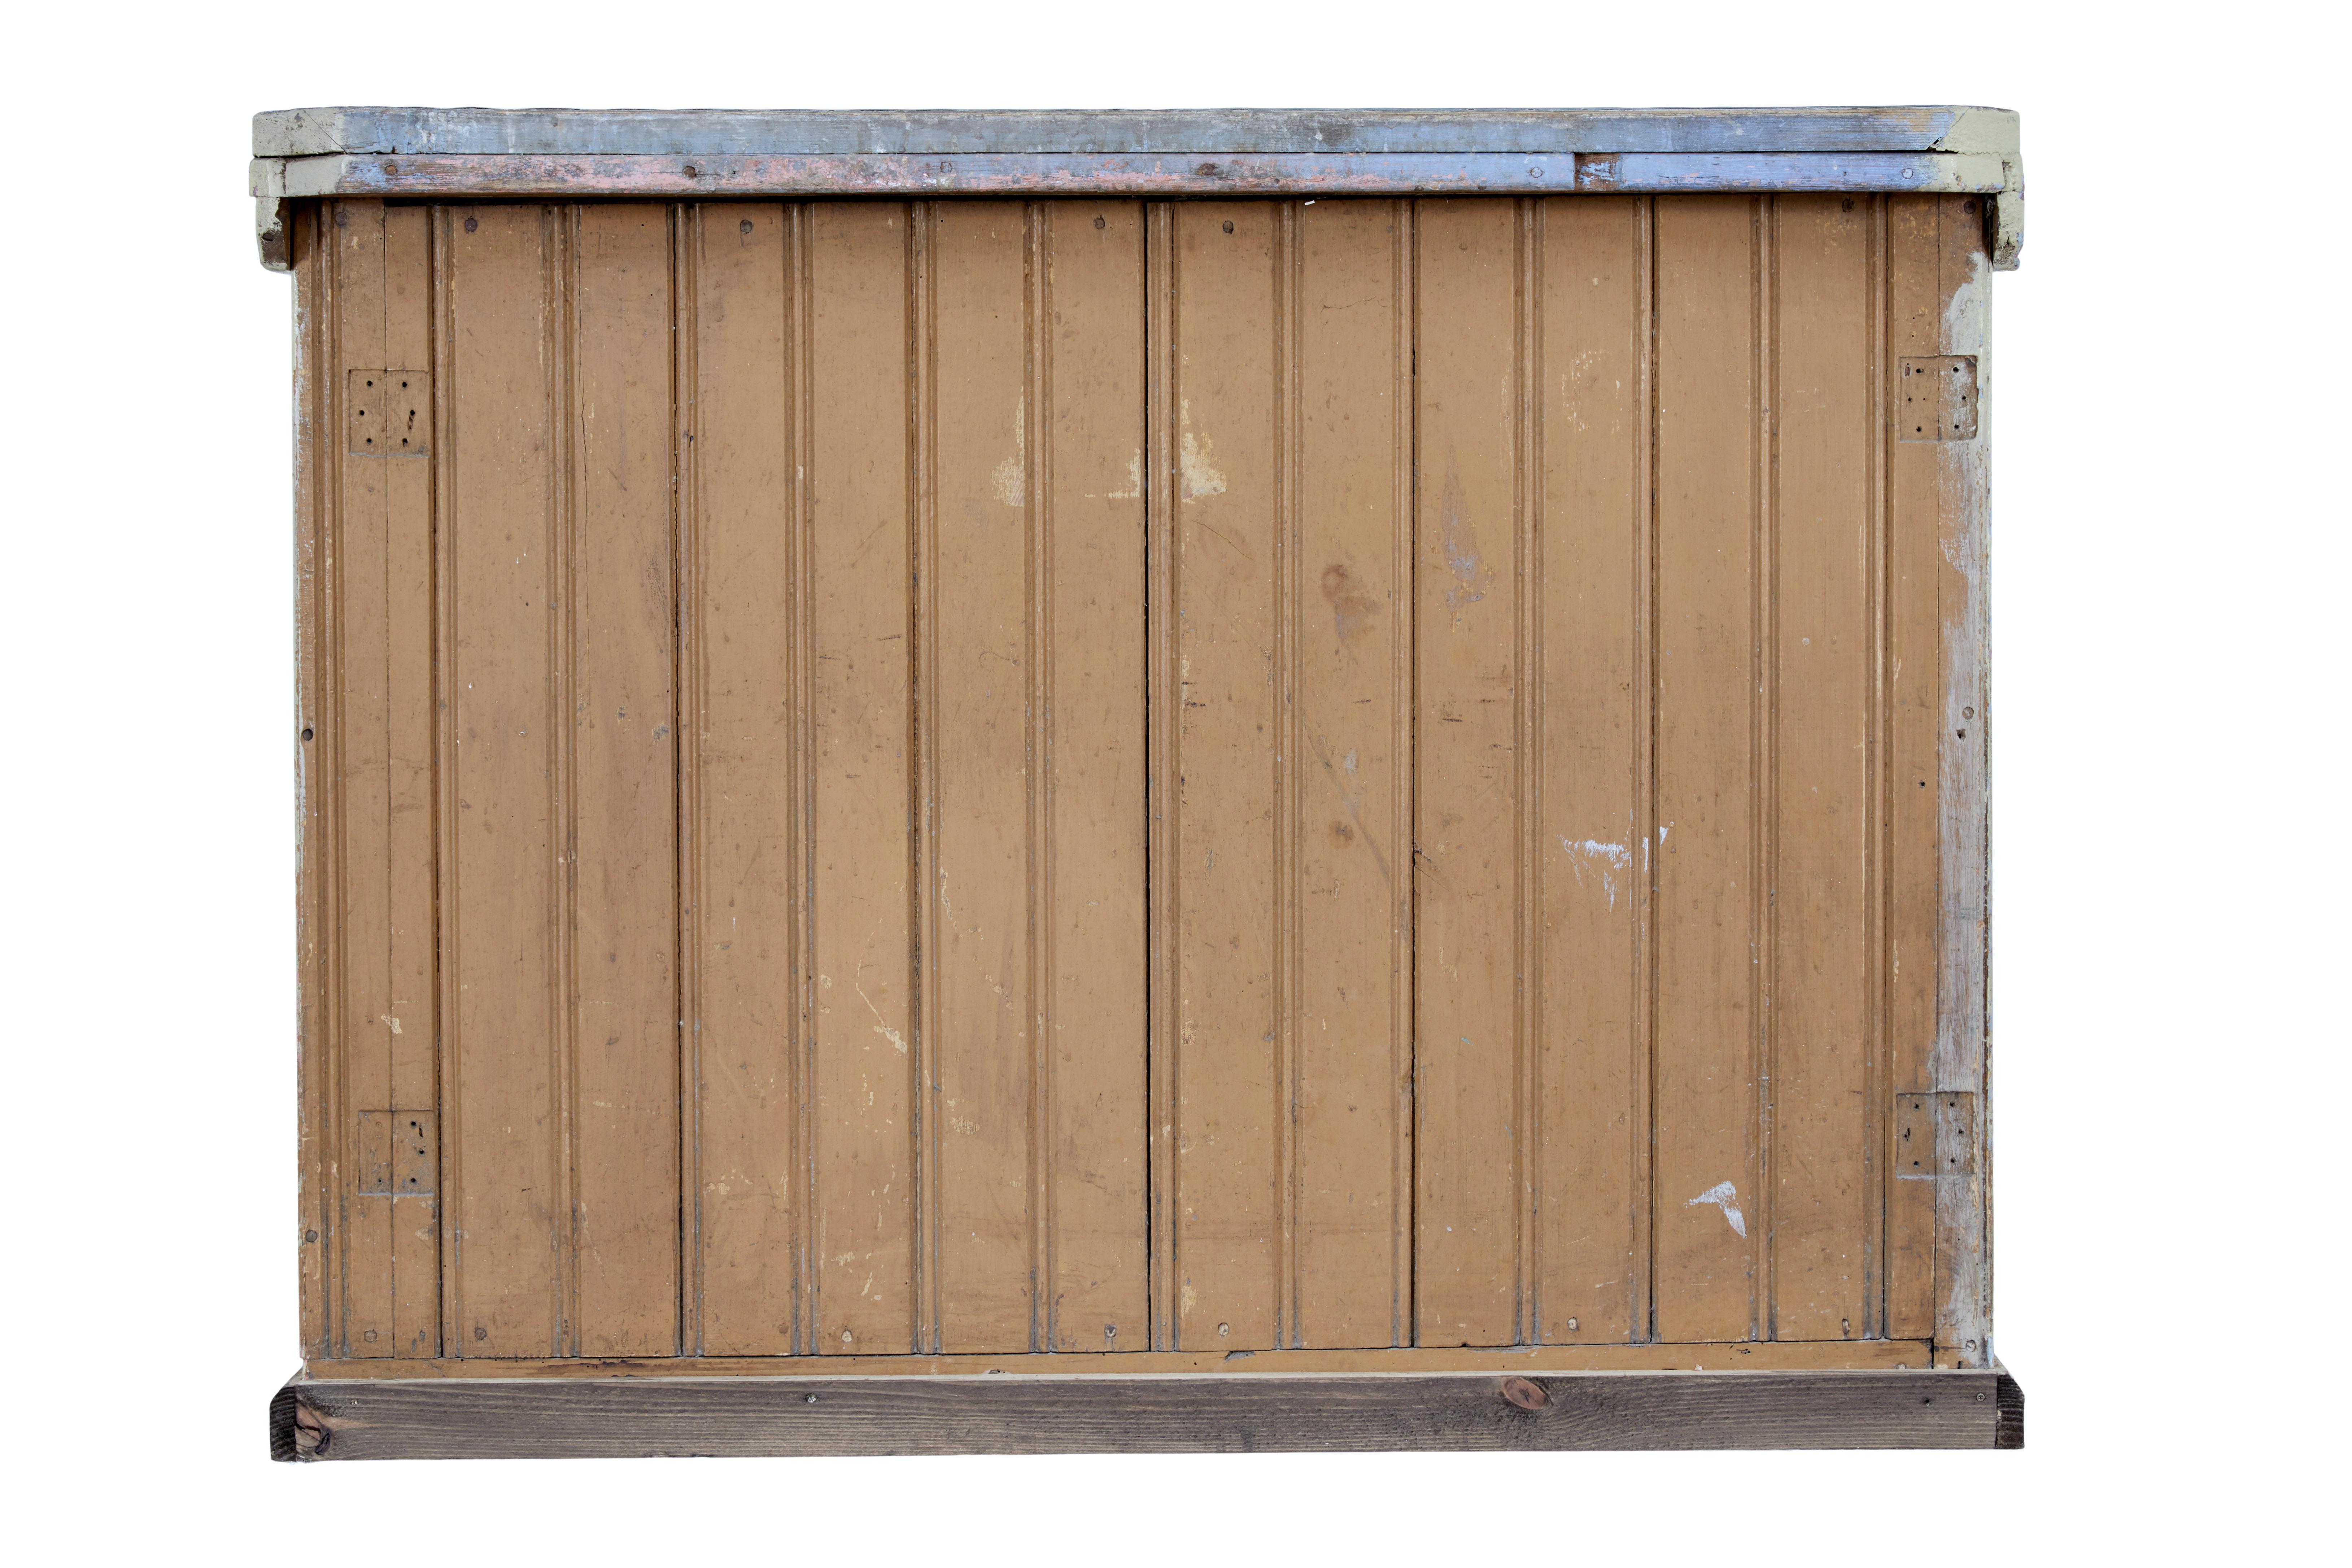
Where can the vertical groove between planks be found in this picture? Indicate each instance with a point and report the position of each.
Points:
(1411, 819)
(559, 254)
(1879, 769)
(445, 460)
(1162, 694)
(1404, 660)
(685, 223)
(1526, 1131)
(1647, 1321)
(922, 367)
(1289, 264)
(917, 352)
(1643, 1317)
(801, 640)
(1045, 1306)
(1766, 271)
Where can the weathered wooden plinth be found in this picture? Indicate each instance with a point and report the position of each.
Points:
(446, 1418)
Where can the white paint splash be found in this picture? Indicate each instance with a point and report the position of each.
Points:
(1134, 490)
(1011, 476)
(1201, 476)
(1607, 858)
(881, 1025)
(1726, 1197)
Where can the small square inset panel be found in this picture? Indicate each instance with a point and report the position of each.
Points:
(397, 1154)
(1938, 400)
(387, 412)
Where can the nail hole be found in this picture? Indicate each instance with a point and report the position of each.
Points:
(306, 733)
(746, 227)
(1229, 225)
(1099, 222)
(472, 223)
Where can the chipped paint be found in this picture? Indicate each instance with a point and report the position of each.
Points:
(1011, 477)
(1460, 541)
(1199, 476)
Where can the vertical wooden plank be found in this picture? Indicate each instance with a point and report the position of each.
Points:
(1963, 1017)
(624, 1219)
(1595, 806)
(360, 739)
(315, 435)
(500, 900)
(1164, 725)
(1914, 570)
(1352, 680)
(1229, 1090)
(862, 1073)
(1940, 283)
(746, 655)
(1824, 1169)
(411, 726)
(1470, 1175)
(978, 703)
(1093, 636)
(1706, 1157)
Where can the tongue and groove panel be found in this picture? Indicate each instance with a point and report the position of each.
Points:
(992, 777)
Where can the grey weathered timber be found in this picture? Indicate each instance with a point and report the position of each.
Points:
(455, 153)
(1080, 1414)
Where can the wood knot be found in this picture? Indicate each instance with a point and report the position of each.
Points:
(1525, 1392)
(310, 1432)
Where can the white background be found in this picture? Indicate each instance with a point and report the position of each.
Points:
(2169, 844)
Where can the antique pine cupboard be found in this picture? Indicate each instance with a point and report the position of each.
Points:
(1199, 780)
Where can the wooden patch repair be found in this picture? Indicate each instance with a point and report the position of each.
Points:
(388, 411)
(1939, 398)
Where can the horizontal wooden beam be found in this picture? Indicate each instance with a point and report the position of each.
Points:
(737, 133)
(628, 1417)
(708, 155)
(1775, 1355)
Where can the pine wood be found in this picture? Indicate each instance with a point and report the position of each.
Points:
(313, 1421)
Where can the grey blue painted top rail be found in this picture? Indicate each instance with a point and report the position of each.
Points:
(434, 154)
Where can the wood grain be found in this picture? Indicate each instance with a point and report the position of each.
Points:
(1825, 1169)
(1706, 1212)
(1591, 1264)
(1231, 1093)
(1349, 743)
(622, 845)
(501, 898)
(744, 628)
(1469, 1144)
(1091, 446)
(862, 1082)
(980, 670)
(616, 1417)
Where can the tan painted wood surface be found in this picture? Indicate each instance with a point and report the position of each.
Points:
(1226, 780)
